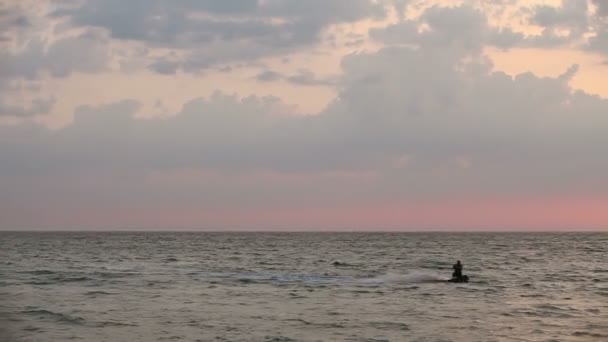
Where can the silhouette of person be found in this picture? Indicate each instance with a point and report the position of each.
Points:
(457, 270)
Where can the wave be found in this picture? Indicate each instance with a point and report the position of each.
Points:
(60, 317)
(38, 272)
(95, 293)
(112, 275)
(114, 324)
(70, 279)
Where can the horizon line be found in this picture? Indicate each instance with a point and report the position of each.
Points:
(165, 230)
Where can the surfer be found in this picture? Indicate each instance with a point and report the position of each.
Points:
(457, 270)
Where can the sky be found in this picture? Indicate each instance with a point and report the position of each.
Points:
(304, 115)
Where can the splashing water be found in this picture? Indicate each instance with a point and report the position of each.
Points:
(414, 277)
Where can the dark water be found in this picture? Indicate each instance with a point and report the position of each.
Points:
(285, 287)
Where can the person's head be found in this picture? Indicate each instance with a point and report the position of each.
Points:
(458, 262)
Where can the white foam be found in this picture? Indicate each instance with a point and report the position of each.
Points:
(408, 278)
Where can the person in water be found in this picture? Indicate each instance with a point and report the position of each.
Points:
(457, 270)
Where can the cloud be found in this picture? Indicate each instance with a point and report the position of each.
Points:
(228, 30)
(268, 76)
(164, 66)
(306, 77)
(584, 29)
(303, 77)
(37, 107)
(468, 28)
(463, 27)
(11, 19)
(602, 7)
(572, 14)
(87, 52)
(464, 128)
(400, 7)
(599, 42)
(424, 118)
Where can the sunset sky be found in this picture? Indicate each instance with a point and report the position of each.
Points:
(304, 114)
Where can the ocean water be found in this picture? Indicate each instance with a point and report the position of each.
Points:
(286, 287)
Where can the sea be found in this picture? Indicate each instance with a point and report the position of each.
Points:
(186, 286)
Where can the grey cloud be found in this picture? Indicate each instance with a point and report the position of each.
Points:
(575, 16)
(464, 27)
(462, 24)
(602, 7)
(37, 107)
(324, 11)
(12, 19)
(84, 53)
(164, 66)
(12, 16)
(228, 30)
(571, 14)
(505, 38)
(355, 43)
(303, 77)
(306, 77)
(426, 103)
(400, 7)
(599, 42)
(405, 32)
(9, 19)
(547, 39)
(569, 74)
(268, 76)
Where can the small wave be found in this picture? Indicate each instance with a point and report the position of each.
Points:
(533, 295)
(390, 326)
(342, 264)
(39, 272)
(112, 275)
(31, 328)
(543, 313)
(71, 279)
(318, 324)
(597, 326)
(589, 334)
(96, 293)
(38, 282)
(114, 324)
(59, 317)
(247, 281)
(278, 339)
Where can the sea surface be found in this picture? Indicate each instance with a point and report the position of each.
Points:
(302, 287)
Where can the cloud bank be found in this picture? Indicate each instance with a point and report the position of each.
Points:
(423, 126)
